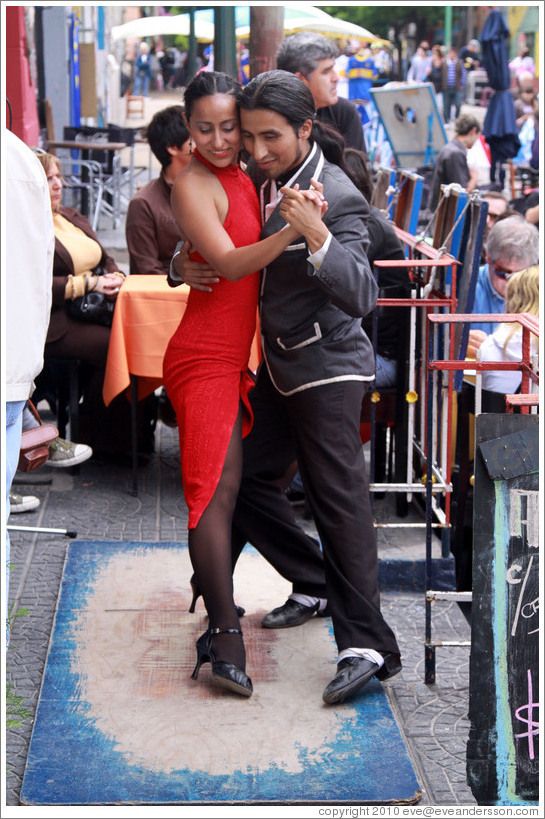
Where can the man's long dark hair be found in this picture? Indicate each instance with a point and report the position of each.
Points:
(287, 95)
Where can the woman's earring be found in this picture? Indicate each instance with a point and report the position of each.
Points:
(190, 145)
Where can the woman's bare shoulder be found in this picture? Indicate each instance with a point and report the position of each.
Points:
(195, 175)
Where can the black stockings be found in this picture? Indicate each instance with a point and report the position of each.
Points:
(210, 552)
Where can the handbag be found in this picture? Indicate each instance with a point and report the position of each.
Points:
(93, 308)
(35, 442)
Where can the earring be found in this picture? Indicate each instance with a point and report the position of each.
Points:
(190, 145)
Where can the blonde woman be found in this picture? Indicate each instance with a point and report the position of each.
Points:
(505, 343)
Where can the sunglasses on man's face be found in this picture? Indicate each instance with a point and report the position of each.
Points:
(501, 273)
(527, 90)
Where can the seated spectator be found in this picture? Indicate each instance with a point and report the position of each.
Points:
(505, 343)
(383, 244)
(451, 163)
(498, 207)
(62, 454)
(78, 258)
(531, 208)
(150, 228)
(512, 245)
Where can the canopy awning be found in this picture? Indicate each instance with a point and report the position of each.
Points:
(297, 17)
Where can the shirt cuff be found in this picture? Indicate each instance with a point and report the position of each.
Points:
(172, 274)
(317, 259)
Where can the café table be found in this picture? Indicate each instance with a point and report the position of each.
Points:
(147, 312)
(85, 147)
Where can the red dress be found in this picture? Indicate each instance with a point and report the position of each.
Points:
(206, 362)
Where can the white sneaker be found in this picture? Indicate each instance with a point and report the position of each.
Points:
(64, 453)
(22, 503)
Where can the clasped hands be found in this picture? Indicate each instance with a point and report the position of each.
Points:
(109, 284)
(300, 209)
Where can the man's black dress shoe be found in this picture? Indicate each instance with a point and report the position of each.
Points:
(354, 672)
(289, 615)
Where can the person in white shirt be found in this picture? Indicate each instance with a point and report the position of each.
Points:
(505, 343)
(27, 272)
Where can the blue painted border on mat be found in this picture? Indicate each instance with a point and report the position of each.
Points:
(72, 762)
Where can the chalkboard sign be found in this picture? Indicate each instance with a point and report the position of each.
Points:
(503, 746)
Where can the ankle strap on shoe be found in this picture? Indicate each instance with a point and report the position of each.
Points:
(225, 631)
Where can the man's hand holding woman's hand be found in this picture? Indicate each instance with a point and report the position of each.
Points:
(298, 207)
(303, 210)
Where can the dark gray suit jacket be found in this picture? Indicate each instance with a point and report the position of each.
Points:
(311, 319)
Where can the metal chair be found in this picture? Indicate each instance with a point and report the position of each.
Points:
(110, 165)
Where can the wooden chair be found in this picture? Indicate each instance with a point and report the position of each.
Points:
(135, 107)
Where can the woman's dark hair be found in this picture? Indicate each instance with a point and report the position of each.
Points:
(206, 84)
(357, 168)
(287, 95)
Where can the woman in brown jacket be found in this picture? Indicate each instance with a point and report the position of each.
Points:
(78, 253)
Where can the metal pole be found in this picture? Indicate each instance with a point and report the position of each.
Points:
(225, 40)
(191, 67)
(448, 26)
(429, 649)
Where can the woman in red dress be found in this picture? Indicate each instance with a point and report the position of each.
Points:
(206, 363)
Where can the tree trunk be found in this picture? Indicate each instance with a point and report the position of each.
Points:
(266, 34)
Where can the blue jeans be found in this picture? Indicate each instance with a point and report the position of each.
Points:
(385, 371)
(452, 96)
(141, 85)
(14, 423)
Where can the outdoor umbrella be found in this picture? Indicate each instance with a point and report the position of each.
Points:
(500, 125)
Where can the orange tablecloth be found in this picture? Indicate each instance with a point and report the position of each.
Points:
(146, 315)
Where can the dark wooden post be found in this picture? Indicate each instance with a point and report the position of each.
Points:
(266, 34)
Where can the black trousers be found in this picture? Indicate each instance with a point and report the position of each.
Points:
(320, 428)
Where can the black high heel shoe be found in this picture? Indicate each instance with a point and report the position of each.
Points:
(226, 674)
(197, 593)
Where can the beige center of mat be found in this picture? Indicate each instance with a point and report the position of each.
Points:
(135, 651)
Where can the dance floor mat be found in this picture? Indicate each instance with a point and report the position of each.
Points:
(119, 721)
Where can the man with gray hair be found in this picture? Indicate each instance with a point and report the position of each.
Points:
(512, 245)
(312, 58)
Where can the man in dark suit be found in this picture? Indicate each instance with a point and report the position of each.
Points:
(312, 58)
(307, 400)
